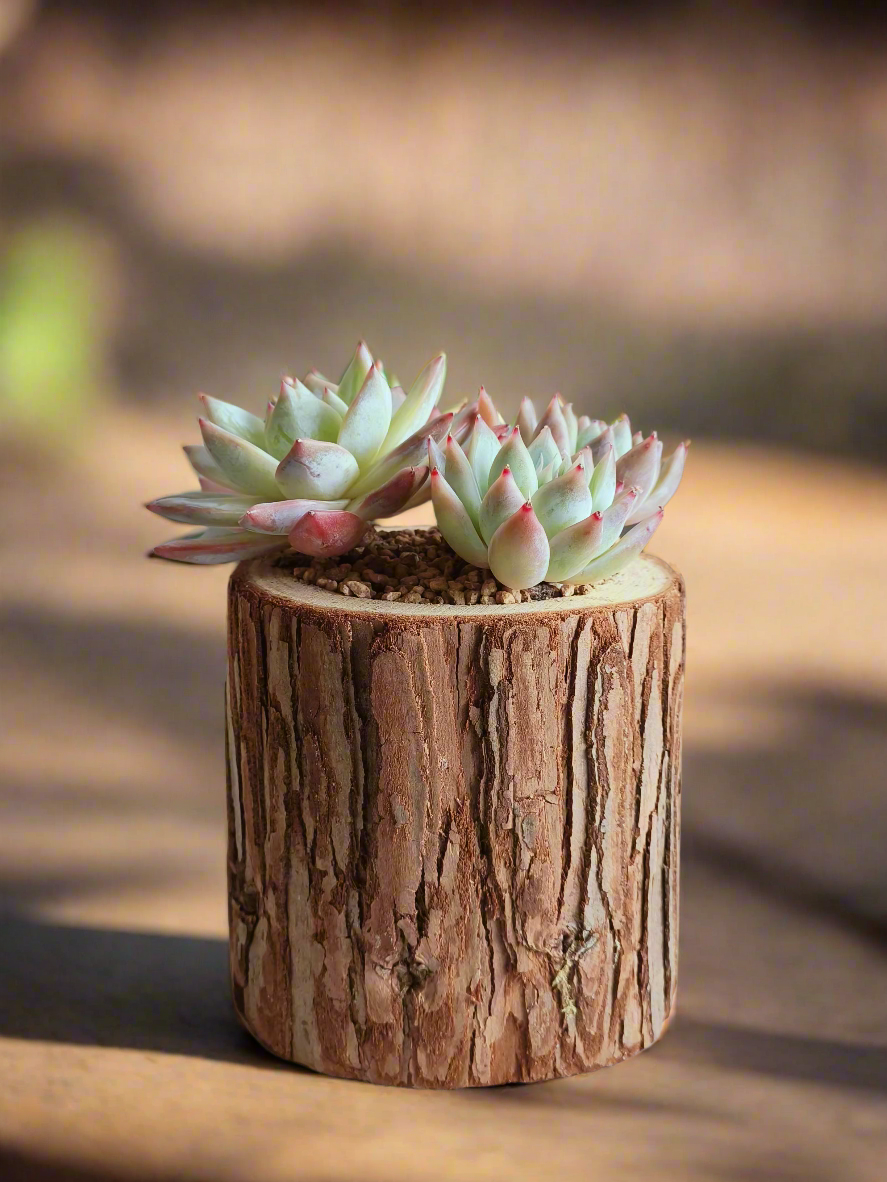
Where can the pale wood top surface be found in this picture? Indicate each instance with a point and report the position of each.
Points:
(119, 1054)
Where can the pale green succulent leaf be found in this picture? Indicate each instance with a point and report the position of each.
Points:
(454, 523)
(667, 485)
(614, 518)
(514, 454)
(543, 449)
(564, 501)
(640, 465)
(482, 448)
(368, 419)
(234, 419)
(572, 427)
(212, 546)
(299, 414)
(503, 499)
(621, 428)
(603, 479)
(436, 457)
(589, 431)
(419, 403)
(322, 471)
(411, 452)
(574, 547)
(317, 383)
(527, 420)
(553, 419)
(202, 508)
(204, 465)
(519, 552)
(355, 375)
(487, 410)
(619, 556)
(245, 467)
(461, 478)
(331, 398)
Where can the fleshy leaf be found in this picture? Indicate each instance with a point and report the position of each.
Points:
(513, 454)
(519, 550)
(486, 408)
(332, 399)
(436, 458)
(325, 533)
(419, 403)
(368, 419)
(202, 508)
(482, 449)
(572, 427)
(602, 441)
(213, 546)
(461, 478)
(244, 466)
(667, 485)
(317, 383)
(279, 517)
(619, 556)
(234, 419)
(553, 418)
(543, 449)
(614, 519)
(621, 428)
(411, 452)
(205, 466)
(313, 469)
(603, 479)
(391, 497)
(573, 548)
(526, 420)
(502, 500)
(564, 501)
(454, 523)
(398, 398)
(640, 465)
(355, 375)
(589, 431)
(463, 421)
(299, 414)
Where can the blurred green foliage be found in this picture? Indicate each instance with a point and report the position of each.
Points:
(51, 315)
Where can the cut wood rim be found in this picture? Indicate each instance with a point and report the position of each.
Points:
(644, 579)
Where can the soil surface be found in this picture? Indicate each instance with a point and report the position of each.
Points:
(414, 566)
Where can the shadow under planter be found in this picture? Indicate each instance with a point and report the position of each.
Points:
(453, 831)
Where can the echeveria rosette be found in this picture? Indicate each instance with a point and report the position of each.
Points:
(554, 498)
(328, 459)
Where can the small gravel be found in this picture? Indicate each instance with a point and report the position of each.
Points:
(413, 566)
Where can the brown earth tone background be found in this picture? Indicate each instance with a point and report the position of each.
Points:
(678, 210)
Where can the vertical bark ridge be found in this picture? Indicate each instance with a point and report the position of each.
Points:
(453, 838)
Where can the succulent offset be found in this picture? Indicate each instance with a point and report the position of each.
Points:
(555, 498)
(328, 459)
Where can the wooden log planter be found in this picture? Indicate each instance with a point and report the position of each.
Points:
(453, 831)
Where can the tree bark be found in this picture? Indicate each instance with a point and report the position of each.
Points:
(453, 832)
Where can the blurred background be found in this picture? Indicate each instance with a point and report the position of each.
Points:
(679, 210)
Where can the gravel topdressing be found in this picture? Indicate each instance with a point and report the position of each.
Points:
(412, 566)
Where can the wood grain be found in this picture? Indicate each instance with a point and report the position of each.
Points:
(453, 833)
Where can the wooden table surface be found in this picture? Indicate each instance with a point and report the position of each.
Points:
(119, 1053)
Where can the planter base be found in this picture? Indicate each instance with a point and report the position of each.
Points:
(453, 831)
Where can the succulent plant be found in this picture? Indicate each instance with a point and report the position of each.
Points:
(328, 459)
(550, 497)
